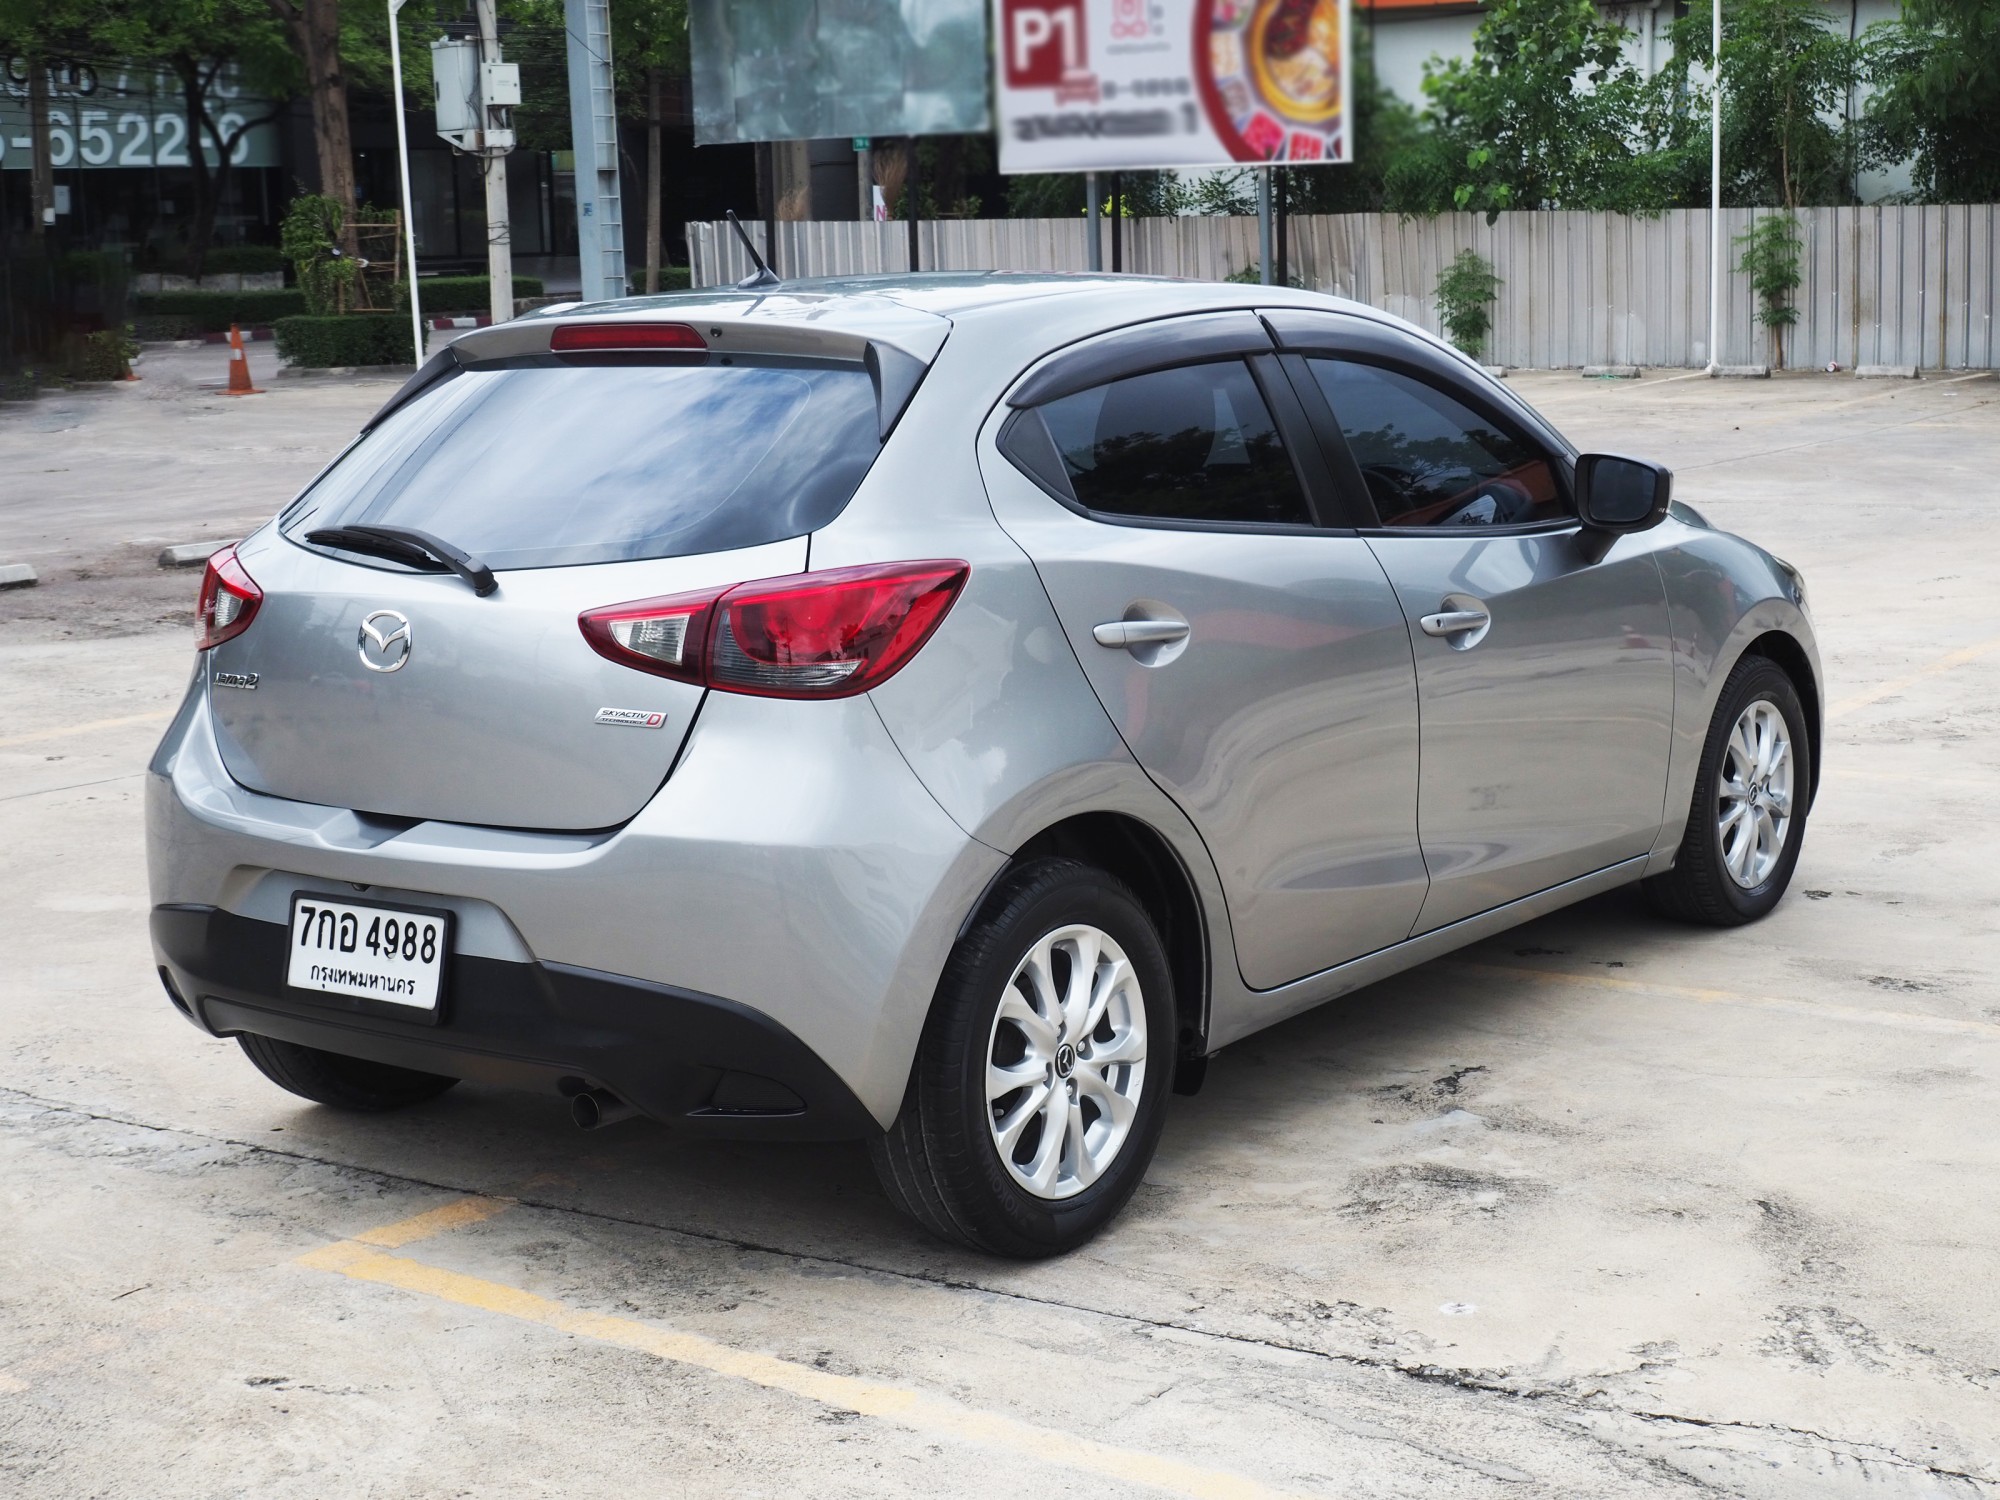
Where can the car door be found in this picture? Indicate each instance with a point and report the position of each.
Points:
(1254, 660)
(1544, 673)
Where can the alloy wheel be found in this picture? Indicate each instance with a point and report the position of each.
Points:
(1754, 799)
(1066, 1062)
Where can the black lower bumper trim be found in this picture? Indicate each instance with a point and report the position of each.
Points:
(695, 1061)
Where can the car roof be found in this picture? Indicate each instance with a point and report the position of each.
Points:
(840, 317)
(951, 294)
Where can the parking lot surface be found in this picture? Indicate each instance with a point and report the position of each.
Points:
(1602, 1207)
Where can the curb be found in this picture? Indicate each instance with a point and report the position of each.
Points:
(1885, 372)
(1740, 372)
(313, 372)
(1610, 372)
(189, 554)
(17, 576)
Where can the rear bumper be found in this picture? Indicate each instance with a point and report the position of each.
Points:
(792, 863)
(691, 1060)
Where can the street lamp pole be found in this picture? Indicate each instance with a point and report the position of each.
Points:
(403, 164)
(1715, 196)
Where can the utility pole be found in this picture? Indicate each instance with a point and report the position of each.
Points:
(652, 179)
(1264, 267)
(493, 164)
(42, 172)
(1093, 244)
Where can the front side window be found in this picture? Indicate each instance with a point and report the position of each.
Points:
(1430, 460)
(551, 466)
(1193, 444)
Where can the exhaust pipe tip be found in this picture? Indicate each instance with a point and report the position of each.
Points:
(593, 1109)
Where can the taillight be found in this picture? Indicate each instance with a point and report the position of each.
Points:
(228, 603)
(663, 636)
(812, 635)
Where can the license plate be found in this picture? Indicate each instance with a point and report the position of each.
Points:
(391, 954)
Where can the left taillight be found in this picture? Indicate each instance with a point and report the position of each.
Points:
(229, 600)
(811, 635)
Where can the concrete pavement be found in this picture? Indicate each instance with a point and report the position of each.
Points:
(1602, 1207)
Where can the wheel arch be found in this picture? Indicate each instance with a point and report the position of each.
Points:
(1790, 657)
(1139, 855)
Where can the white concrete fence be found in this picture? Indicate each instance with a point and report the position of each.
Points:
(1887, 285)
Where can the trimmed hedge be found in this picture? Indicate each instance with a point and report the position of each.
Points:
(467, 294)
(346, 339)
(213, 312)
(221, 260)
(243, 260)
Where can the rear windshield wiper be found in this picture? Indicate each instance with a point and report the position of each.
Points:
(404, 544)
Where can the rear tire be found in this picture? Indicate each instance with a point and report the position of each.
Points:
(981, 1164)
(329, 1078)
(1748, 819)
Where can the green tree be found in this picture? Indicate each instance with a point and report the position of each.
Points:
(1936, 72)
(1465, 294)
(1772, 256)
(203, 42)
(649, 46)
(1545, 113)
(1786, 77)
(41, 33)
(314, 28)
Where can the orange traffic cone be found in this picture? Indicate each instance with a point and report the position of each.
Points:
(239, 366)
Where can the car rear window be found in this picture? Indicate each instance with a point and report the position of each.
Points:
(550, 466)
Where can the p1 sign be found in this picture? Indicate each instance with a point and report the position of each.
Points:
(1043, 41)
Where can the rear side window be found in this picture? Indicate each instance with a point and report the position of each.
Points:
(1428, 459)
(556, 465)
(1195, 443)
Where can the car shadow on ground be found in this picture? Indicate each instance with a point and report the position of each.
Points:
(1301, 1098)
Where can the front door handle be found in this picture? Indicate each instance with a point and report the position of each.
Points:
(1124, 634)
(1455, 621)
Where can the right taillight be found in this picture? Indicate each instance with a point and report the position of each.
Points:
(228, 603)
(812, 635)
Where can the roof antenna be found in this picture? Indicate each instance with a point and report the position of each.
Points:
(763, 276)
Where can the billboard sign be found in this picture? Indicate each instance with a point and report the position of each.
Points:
(787, 70)
(126, 115)
(1105, 85)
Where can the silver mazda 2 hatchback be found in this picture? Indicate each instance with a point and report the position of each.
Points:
(943, 710)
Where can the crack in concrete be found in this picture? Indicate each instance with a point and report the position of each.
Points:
(1481, 1382)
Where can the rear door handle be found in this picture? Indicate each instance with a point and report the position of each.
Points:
(1453, 621)
(1124, 634)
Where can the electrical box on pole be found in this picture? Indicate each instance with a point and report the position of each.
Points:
(474, 99)
(475, 95)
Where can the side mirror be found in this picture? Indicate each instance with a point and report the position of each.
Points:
(1617, 495)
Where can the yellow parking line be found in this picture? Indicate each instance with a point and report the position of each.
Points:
(457, 1214)
(358, 1259)
(38, 735)
(1896, 685)
(1816, 1010)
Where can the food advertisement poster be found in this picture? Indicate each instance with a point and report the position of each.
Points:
(1104, 85)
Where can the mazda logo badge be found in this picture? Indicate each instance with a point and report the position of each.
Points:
(384, 641)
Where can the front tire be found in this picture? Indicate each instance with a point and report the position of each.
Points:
(1040, 1085)
(329, 1078)
(1749, 814)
